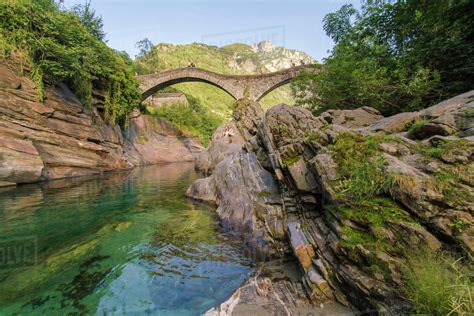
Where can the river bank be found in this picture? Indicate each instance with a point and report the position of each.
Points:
(60, 138)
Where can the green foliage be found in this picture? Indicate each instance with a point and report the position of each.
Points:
(142, 139)
(393, 56)
(90, 20)
(145, 46)
(458, 224)
(451, 173)
(438, 285)
(360, 165)
(375, 212)
(338, 24)
(264, 193)
(416, 126)
(56, 46)
(445, 149)
(192, 119)
(469, 112)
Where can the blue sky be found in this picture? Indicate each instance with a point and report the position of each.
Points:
(294, 24)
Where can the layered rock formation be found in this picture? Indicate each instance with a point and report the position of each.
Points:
(350, 194)
(61, 138)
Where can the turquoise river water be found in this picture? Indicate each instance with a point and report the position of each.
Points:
(125, 243)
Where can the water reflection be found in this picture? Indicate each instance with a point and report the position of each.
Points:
(118, 243)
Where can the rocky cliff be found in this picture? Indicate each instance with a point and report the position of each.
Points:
(61, 138)
(353, 196)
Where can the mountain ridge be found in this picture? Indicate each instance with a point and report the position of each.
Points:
(237, 59)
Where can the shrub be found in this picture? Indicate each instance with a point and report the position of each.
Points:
(191, 119)
(394, 56)
(56, 46)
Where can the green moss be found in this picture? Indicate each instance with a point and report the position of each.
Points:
(469, 112)
(360, 163)
(284, 129)
(142, 139)
(353, 237)
(264, 193)
(458, 224)
(375, 212)
(291, 160)
(313, 137)
(414, 127)
(445, 148)
(325, 127)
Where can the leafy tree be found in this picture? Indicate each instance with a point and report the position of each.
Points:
(394, 56)
(93, 23)
(145, 46)
(338, 24)
(55, 46)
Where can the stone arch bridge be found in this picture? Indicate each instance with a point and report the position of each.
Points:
(254, 87)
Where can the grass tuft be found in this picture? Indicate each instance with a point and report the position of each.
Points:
(360, 163)
(437, 284)
(416, 126)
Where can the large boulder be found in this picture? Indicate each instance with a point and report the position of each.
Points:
(248, 202)
(150, 140)
(451, 117)
(356, 194)
(360, 117)
(225, 141)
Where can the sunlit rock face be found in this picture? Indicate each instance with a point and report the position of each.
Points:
(357, 192)
(61, 138)
(276, 58)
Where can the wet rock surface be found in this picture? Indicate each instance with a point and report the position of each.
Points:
(351, 249)
(275, 290)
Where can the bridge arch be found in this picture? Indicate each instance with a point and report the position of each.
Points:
(166, 83)
(270, 89)
(237, 86)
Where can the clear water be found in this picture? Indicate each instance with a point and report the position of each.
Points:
(120, 244)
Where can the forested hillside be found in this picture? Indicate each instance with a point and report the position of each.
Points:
(239, 59)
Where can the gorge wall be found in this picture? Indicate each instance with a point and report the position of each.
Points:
(61, 138)
(350, 194)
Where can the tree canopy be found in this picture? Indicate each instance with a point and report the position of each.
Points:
(394, 56)
(56, 45)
